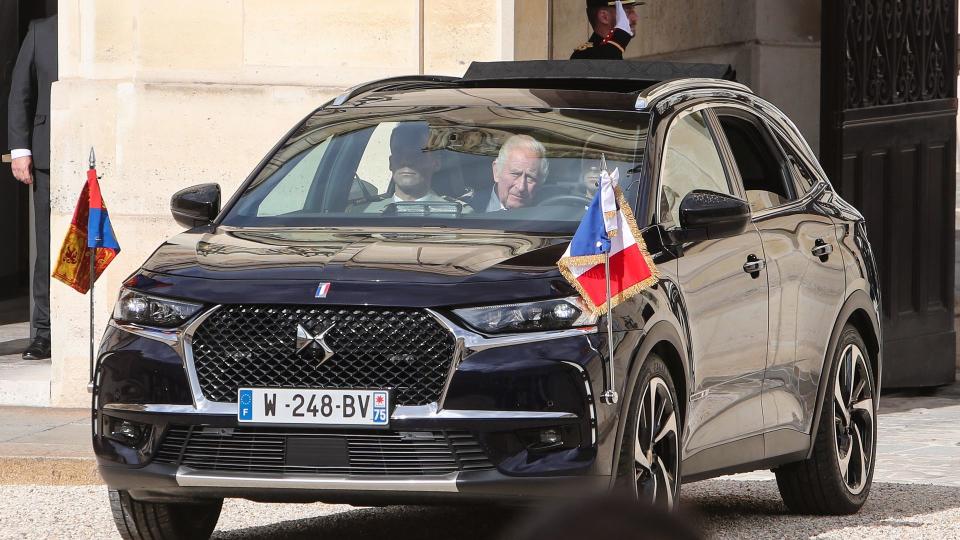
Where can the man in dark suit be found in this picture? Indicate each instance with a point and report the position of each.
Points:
(29, 138)
(614, 25)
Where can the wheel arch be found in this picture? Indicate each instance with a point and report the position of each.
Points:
(663, 340)
(861, 313)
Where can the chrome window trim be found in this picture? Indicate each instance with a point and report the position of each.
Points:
(698, 108)
(447, 483)
(761, 114)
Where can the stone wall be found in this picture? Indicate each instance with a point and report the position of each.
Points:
(178, 92)
(773, 44)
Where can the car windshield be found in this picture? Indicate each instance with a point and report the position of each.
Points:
(497, 168)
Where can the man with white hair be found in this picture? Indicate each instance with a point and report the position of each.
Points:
(518, 171)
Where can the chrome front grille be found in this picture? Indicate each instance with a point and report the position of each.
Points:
(257, 346)
(264, 450)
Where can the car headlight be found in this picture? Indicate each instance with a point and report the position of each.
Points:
(139, 308)
(556, 314)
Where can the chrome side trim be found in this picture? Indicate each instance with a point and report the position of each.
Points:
(402, 412)
(447, 483)
(209, 408)
(186, 353)
(170, 337)
(593, 402)
(476, 342)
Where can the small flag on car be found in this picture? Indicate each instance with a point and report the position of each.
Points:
(608, 232)
(90, 233)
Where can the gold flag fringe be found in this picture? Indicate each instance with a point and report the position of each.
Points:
(589, 260)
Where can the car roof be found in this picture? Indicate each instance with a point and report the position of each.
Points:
(596, 85)
(499, 97)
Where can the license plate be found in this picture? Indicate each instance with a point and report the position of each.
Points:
(323, 407)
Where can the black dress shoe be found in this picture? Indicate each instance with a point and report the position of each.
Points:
(39, 349)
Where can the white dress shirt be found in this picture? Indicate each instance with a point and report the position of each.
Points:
(20, 152)
(495, 205)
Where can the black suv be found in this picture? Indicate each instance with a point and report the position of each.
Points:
(376, 316)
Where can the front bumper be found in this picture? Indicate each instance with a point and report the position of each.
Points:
(169, 483)
(504, 392)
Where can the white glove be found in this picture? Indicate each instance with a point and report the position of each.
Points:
(623, 22)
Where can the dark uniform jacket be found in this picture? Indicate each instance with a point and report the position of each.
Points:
(28, 123)
(599, 47)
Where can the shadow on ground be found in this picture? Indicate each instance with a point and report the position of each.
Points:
(721, 508)
(734, 509)
(394, 522)
(14, 346)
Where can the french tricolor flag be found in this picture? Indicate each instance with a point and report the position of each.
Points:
(608, 227)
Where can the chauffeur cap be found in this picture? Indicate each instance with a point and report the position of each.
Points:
(611, 3)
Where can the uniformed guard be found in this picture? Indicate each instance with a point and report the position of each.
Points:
(614, 25)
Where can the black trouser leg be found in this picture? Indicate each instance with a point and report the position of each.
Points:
(40, 321)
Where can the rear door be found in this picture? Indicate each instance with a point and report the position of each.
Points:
(726, 306)
(804, 265)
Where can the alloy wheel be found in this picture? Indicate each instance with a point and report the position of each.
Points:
(854, 419)
(657, 446)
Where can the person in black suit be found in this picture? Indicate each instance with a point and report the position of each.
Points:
(29, 138)
(614, 25)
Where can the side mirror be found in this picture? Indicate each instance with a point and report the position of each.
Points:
(196, 205)
(707, 215)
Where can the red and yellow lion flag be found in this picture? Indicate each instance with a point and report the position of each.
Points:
(90, 231)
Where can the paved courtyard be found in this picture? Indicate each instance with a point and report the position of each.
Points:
(916, 493)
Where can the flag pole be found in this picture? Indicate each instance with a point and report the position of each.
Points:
(93, 278)
(609, 396)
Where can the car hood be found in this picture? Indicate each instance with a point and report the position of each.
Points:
(351, 255)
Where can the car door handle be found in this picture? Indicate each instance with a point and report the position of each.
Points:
(753, 266)
(822, 250)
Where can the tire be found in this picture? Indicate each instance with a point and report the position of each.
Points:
(836, 479)
(136, 520)
(650, 452)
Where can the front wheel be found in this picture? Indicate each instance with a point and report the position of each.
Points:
(650, 454)
(136, 520)
(836, 479)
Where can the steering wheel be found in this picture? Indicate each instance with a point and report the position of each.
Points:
(565, 200)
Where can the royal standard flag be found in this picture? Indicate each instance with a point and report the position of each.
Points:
(90, 232)
(608, 228)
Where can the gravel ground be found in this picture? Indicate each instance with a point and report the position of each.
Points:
(723, 508)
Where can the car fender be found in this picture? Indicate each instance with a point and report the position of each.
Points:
(659, 332)
(857, 300)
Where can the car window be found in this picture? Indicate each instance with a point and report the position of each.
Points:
(291, 196)
(766, 178)
(803, 179)
(478, 167)
(691, 161)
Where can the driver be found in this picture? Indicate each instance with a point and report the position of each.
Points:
(520, 168)
(412, 166)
